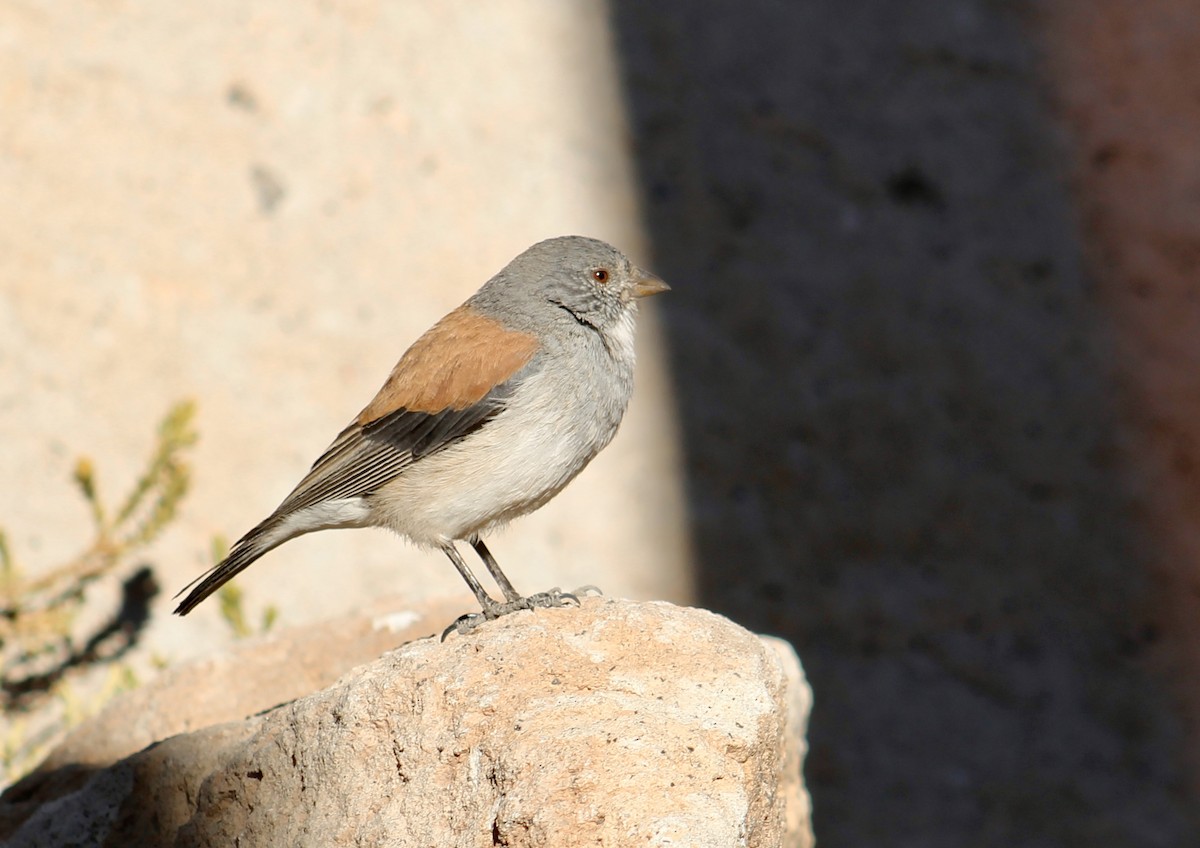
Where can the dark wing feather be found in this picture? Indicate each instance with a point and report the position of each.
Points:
(453, 380)
(366, 457)
(361, 459)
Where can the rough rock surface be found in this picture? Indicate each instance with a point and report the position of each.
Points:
(612, 724)
(252, 676)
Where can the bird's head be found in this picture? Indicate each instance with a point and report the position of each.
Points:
(590, 280)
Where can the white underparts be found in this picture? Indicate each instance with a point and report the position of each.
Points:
(328, 515)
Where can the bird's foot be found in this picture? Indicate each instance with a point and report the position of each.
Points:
(551, 599)
(464, 624)
(556, 597)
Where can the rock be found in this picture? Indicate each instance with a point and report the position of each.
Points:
(616, 723)
(253, 676)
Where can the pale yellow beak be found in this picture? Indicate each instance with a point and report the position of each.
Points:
(648, 284)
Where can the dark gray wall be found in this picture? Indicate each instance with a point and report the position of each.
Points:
(899, 430)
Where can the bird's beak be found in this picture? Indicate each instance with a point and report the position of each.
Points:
(648, 284)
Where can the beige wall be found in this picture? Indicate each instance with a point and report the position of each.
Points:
(258, 207)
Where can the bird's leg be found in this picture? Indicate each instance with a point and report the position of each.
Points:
(490, 607)
(510, 594)
(548, 600)
(513, 600)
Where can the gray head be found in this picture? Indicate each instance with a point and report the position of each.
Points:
(592, 281)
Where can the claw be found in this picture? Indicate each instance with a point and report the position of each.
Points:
(464, 624)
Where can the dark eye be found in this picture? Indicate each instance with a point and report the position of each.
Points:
(600, 275)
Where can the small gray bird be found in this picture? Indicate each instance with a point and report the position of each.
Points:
(484, 419)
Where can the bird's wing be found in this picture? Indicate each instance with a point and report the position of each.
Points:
(453, 380)
(363, 458)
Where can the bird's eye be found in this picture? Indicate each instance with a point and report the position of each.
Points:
(600, 275)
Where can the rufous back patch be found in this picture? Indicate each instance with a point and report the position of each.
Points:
(455, 364)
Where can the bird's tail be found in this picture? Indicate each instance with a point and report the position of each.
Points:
(267, 536)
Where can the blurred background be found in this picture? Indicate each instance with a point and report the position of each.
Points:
(924, 399)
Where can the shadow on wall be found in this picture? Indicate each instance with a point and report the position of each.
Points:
(899, 436)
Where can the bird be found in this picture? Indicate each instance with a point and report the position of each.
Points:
(485, 418)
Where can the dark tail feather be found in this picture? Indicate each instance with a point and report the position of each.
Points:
(263, 538)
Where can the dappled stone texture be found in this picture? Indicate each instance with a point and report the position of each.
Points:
(611, 724)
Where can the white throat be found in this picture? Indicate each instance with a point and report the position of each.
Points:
(620, 338)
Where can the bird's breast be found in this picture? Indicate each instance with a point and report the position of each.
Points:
(556, 421)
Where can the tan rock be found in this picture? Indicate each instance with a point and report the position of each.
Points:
(252, 676)
(612, 724)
